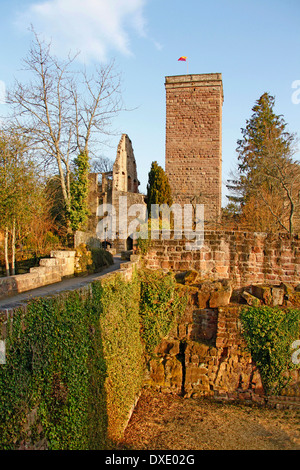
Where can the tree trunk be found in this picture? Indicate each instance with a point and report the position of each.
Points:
(13, 249)
(6, 252)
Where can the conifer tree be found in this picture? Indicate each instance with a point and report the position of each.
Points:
(79, 192)
(266, 173)
(158, 187)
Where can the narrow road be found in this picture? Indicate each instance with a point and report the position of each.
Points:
(64, 285)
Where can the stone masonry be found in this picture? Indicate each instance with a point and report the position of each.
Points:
(243, 257)
(51, 270)
(194, 140)
(205, 354)
(107, 188)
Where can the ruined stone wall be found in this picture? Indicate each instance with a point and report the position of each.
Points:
(93, 200)
(51, 270)
(194, 140)
(243, 257)
(124, 218)
(124, 169)
(205, 355)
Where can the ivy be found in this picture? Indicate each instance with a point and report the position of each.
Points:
(161, 306)
(269, 333)
(49, 355)
(74, 362)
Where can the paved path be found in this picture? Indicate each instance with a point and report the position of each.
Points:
(65, 285)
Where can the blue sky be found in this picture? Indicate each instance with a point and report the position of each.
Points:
(255, 44)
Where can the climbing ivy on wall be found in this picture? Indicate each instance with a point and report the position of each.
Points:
(74, 362)
(161, 305)
(269, 333)
(122, 347)
(51, 353)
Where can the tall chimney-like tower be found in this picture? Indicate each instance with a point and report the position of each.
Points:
(194, 140)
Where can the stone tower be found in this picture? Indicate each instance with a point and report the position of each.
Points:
(194, 140)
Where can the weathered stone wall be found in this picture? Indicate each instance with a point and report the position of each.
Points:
(243, 257)
(121, 182)
(124, 170)
(206, 355)
(51, 270)
(124, 241)
(194, 140)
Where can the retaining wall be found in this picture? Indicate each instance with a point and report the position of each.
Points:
(51, 270)
(243, 257)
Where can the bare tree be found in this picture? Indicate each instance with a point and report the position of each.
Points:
(64, 111)
(284, 174)
(102, 165)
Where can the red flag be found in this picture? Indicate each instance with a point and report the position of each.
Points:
(183, 58)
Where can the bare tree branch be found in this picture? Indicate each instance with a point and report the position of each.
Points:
(64, 111)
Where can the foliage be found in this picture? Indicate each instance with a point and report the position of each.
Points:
(269, 333)
(101, 164)
(74, 362)
(161, 305)
(158, 187)
(122, 348)
(92, 260)
(79, 192)
(50, 353)
(101, 258)
(265, 190)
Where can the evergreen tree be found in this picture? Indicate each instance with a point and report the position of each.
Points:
(265, 169)
(158, 187)
(79, 192)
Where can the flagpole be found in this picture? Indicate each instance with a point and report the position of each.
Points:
(187, 66)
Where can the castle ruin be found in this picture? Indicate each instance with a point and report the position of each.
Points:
(193, 154)
(107, 188)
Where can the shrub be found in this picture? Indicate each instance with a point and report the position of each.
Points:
(101, 258)
(52, 352)
(269, 333)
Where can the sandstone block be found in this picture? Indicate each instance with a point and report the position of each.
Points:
(263, 292)
(277, 296)
(167, 347)
(220, 298)
(251, 299)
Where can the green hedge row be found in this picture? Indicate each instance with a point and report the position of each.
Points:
(74, 362)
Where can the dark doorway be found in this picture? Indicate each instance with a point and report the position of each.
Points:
(129, 244)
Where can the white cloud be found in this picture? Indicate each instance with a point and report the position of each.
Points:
(97, 28)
